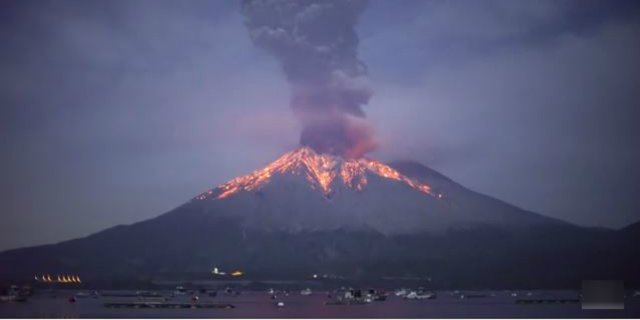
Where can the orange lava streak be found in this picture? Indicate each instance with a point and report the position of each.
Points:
(353, 174)
(321, 167)
(321, 171)
(388, 172)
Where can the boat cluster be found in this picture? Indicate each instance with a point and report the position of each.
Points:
(16, 293)
(337, 297)
(358, 296)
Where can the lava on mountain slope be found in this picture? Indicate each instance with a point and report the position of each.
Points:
(321, 170)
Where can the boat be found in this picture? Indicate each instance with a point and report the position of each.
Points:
(419, 295)
(375, 295)
(180, 291)
(148, 294)
(349, 297)
(401, 292)
(344, 302)
(81, 295)
(471, 295)
(11, 297)
(306, 292)
(355, 296)
(380, 297)
(14, 293)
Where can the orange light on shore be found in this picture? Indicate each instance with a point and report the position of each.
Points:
(59, 279)
(237, 273)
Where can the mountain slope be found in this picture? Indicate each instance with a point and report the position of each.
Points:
(472, 200)
(303, 190)
(302, 215)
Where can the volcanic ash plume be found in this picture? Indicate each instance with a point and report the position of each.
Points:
(316, 44)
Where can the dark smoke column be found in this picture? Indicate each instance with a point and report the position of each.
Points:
(316, 44)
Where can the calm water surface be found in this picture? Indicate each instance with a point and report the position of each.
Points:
(259, 305)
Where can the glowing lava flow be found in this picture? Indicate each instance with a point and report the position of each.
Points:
(320, 170)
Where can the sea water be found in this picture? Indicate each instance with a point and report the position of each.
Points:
(254, 304)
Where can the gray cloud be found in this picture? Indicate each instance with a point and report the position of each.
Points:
(116, 112)
(545, 122)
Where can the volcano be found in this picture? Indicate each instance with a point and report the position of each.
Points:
(307, 191)
(350, 218)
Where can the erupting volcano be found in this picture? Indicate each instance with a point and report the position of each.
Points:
(304, 190)
(322, 171)
(355, 218)
(325, 208)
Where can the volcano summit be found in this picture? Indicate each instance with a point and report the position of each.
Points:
(305, 190)
(320, 170)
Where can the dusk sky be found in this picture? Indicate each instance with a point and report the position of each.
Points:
(113, 112)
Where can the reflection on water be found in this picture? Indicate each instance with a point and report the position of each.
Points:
(260, 305)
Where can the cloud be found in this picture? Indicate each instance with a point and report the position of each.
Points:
(316, 44)
(548, 125)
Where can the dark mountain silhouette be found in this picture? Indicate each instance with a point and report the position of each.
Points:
(359, 220)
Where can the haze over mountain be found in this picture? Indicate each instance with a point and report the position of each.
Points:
(309, 213)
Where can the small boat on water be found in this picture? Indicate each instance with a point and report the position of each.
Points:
(356, 296)
(420, 295)
(148, 294)
(12, 297)
(472, 295)
(180, 291)
(401, 292)
(375, 295)
(231, 292)
(80, 295)
(306, 292)
(380, 298)
(14, 293)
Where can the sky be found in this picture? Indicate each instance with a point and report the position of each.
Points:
(113, 112)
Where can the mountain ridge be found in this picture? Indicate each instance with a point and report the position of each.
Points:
(286, 228)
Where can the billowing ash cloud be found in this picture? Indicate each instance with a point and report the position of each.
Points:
(316, 44)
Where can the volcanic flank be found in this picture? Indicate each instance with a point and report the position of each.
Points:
(308, 191)
(310, 212)
(325, 208)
